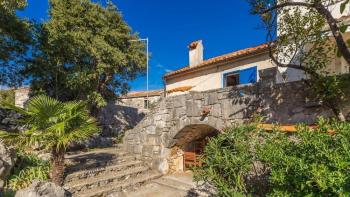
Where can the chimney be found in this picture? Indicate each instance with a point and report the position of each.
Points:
(196, 53)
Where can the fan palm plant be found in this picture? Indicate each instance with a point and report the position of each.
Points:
(52, 125)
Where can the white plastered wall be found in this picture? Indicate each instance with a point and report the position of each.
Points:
(211, 77)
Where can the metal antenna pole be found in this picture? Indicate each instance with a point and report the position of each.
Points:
(147, 74)
(147, 65)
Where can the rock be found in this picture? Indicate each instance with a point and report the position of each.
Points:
(7, 161)
(8, 120)
(257, 179)
(96, 141)
(45, 156)
(99, 142)
(43, 189)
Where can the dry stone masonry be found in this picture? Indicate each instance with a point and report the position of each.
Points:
(7, 161)
(43, 189)
(155, 137)
(105, 172)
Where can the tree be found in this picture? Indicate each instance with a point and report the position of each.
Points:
(304, 35)
(15, 38)
(85, 52)
(52, 125)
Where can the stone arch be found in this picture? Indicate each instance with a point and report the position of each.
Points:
(193, 132)
(185, 123)
(191, 138)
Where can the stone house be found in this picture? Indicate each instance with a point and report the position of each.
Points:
(243, 66)
(127, 111)
(141, 100)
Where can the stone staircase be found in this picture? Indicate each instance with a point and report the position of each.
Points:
(105, 172)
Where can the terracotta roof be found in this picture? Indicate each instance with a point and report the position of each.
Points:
(142, 94)
(179, 89)
(226, 57)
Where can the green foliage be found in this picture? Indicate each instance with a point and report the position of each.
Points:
(227, 159)
(85, 51)
(304, 41)
(52, 124)
(15, 38)
(28, 168)
(314, 163)
(306, 163)
(7, 96)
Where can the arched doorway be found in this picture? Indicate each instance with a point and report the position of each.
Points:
(188, 145)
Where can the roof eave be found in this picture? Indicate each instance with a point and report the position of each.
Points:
(221, 62)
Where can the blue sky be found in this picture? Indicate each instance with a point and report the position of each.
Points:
(223, 25)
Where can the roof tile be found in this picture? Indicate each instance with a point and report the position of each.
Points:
(217, 59)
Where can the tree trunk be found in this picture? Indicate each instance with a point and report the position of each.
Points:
(57, 166)
(94, 110)
(339, 114)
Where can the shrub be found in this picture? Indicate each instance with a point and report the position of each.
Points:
(28, 168)
(7, 96)
(310, 162)
(228, 158)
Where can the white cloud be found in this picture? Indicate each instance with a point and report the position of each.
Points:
(159, 66)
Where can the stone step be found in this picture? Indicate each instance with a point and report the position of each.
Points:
(119, 146)
(98, 154)
(172, 183)
(118, 187)
(105, 179)
(93, 164)
(84, 174)
(100, 150)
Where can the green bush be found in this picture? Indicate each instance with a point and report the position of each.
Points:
(28, 168)
(306, 163)
(228, 158)
(7, 96)
(309, 163)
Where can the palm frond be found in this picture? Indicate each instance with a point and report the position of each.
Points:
(80, 133)
(44, 110)
(52, 124)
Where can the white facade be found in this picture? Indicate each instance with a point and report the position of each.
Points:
(337, 66)
(213, 73)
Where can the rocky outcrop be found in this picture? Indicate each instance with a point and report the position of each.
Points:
(8, 120)
(7, 161)
(43, 189)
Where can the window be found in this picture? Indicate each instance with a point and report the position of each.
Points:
(240, 77)
(145, 104)
(231, 79)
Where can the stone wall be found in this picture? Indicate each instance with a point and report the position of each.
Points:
(8, 120)
(154, 136)
(139, 102)
(21, 96)
(116, 118)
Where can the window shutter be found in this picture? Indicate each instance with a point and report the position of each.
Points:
(248, 75)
